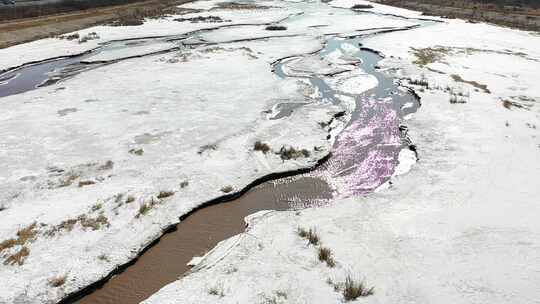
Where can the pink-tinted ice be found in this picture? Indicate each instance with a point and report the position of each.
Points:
(365, 153)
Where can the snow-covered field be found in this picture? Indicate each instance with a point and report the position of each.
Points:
(94, 168)
(460, 227)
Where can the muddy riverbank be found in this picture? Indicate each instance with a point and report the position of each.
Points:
(13, 32)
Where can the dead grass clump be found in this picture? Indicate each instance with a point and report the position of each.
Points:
(216, 291)
(287, 153)
(138, 152)
(7, 244)
(108, 165)
(24, 235)
(455, 98)
(104, 258)
(422, 82)
(70, 37)
(58, 281)
(96, 207)
(260, 146)
(361, 6)
(240, 6)
(207, 148)
(426, 56)
(86, 183)
(67, 180)
(227, 189)
(93, 223)
(136, 16)
(165, 194)
(279, 296)
(310, 235)
(511, 104)
(144, 209)
(206, 19)
(18, 258)
(475, 84)
(325, 255)
(64, 225)
(354, 289)
(276, 28)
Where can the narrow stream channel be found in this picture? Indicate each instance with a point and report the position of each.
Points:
(363, 157)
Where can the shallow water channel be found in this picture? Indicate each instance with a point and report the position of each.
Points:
(364, 156)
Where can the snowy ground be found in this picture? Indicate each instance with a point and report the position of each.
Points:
(460, 227)
(94, 168)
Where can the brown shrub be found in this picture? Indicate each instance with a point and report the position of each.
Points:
(310, 235)
(260, 146)
(355, 289)
(58, 281)
(325, 255)
(18, 258)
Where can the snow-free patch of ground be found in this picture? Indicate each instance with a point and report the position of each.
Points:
(460, 227)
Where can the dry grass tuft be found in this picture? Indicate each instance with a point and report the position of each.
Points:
(454, 98)
(165, 194)
(68, 180)
(227, 189)
(24, 235)
(475, 84)
(361, 6)
(58, 281)
(260, 146)
(108, 165)
(93, 223)
(325, 255)
(104, 257)
(138, 152)
(276, 28)
(426, 56)
(354, 289)
(287, 153)
(18, 258)
(86, 183)
(511, 104)
(310, 235)
(216, 291)
(144, 209)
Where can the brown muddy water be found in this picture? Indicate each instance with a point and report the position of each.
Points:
(199, 232)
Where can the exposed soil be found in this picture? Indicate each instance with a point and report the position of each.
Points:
(25, 30)
(521, 18)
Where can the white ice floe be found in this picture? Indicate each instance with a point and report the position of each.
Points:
(354, 82)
